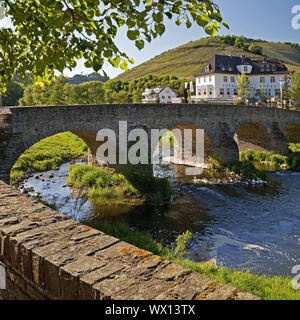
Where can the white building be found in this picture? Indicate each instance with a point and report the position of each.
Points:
(159, 95)
(218, 80)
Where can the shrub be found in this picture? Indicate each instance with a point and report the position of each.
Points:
(239, 102)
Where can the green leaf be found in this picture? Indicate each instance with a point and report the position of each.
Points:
(188, 23)
(178, 22)
(133, 34)
(158, 17)
(124, 65)
(169, 15)
(203, 20)
(212, 29)
(140, 44)
(160, 28)
(225, 25)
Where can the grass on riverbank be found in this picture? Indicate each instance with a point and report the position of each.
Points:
(268, 288)
(104, 186)
(292, 161)
(244, 168)
(48, 154)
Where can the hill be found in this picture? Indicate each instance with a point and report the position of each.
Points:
(187, 60)
(79, 78)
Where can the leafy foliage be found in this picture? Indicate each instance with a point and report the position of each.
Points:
(14, 92)
(49, 36)
(59, 92)
(295, 89)
(244, 88)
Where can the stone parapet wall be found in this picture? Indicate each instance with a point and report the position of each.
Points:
(50, 256)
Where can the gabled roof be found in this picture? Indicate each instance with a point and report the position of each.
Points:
(164, 87)
(228, 64)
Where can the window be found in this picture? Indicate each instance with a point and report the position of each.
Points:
(204, 92)
(169, 97)
(272, 79)
(222, 92)
(232, 79)
(210, 78)
(262, 69)
(199, 92)
(228, 92)
(210, 92)
(162, 97)
(262, 79)
(225, 79)
(235, 92)
(277, 92)
(246, 69)
(268, 92)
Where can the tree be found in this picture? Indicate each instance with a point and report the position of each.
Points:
(244, 88)
(14, 93)
(255, 49)
(295, 89)
(49, 36)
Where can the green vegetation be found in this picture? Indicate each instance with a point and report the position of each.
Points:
(239, 102)
(48, 154)
(60, 92)
(244, 88)
(60, 33)
(295, 89)
(13, 94)
(188, 60)
(244, 168)
(268, 288)
(104, 186)
(291, 161)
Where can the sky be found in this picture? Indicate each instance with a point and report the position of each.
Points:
(259, 19)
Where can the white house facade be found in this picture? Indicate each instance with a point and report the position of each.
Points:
(161, 94)
(219, 79)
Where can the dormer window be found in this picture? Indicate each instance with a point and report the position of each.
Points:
(245, 69)
(262, 69)
(230, 68)
(223, 68)
(207, 68)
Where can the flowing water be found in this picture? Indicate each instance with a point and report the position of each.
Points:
(254, 228)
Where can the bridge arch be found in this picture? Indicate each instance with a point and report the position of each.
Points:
(258, 136)
(292, 132)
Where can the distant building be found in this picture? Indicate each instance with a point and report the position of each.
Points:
(219, 79)
(159, 95)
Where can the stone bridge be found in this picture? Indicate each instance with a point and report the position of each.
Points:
(47, 255)
(228, 129)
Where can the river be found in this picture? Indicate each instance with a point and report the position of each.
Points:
(254, 228)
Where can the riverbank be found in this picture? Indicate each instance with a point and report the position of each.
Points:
(268, 288)
(102, 186)
(275, 161)
(48, 154)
